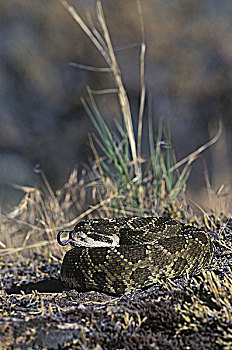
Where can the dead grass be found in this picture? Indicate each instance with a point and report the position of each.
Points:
(133, 186)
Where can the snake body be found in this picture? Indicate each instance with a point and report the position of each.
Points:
(118, 255)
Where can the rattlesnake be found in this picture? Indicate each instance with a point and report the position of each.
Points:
(119, 255)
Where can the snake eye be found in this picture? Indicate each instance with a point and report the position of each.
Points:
(59, 240)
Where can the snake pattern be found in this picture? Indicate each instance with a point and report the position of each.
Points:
(119, 255)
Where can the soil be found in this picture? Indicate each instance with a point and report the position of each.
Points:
(151, 319)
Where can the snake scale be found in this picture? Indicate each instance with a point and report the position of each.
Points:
(119, 255)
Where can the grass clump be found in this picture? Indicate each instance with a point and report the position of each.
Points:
(122, 180)
(121, 165)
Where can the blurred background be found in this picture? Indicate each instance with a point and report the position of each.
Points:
(188, 74)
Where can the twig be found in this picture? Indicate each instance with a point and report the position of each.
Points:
(191, 157)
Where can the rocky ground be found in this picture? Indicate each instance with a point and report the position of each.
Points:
(179, 314)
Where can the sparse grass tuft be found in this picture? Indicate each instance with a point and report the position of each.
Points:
(121, 182)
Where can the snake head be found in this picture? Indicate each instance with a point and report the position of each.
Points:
(59, 238)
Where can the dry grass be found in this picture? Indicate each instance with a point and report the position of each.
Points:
(134, 185)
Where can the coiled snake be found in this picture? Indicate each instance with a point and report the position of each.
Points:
(118, 255)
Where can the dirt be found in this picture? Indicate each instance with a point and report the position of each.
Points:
(152, 319)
